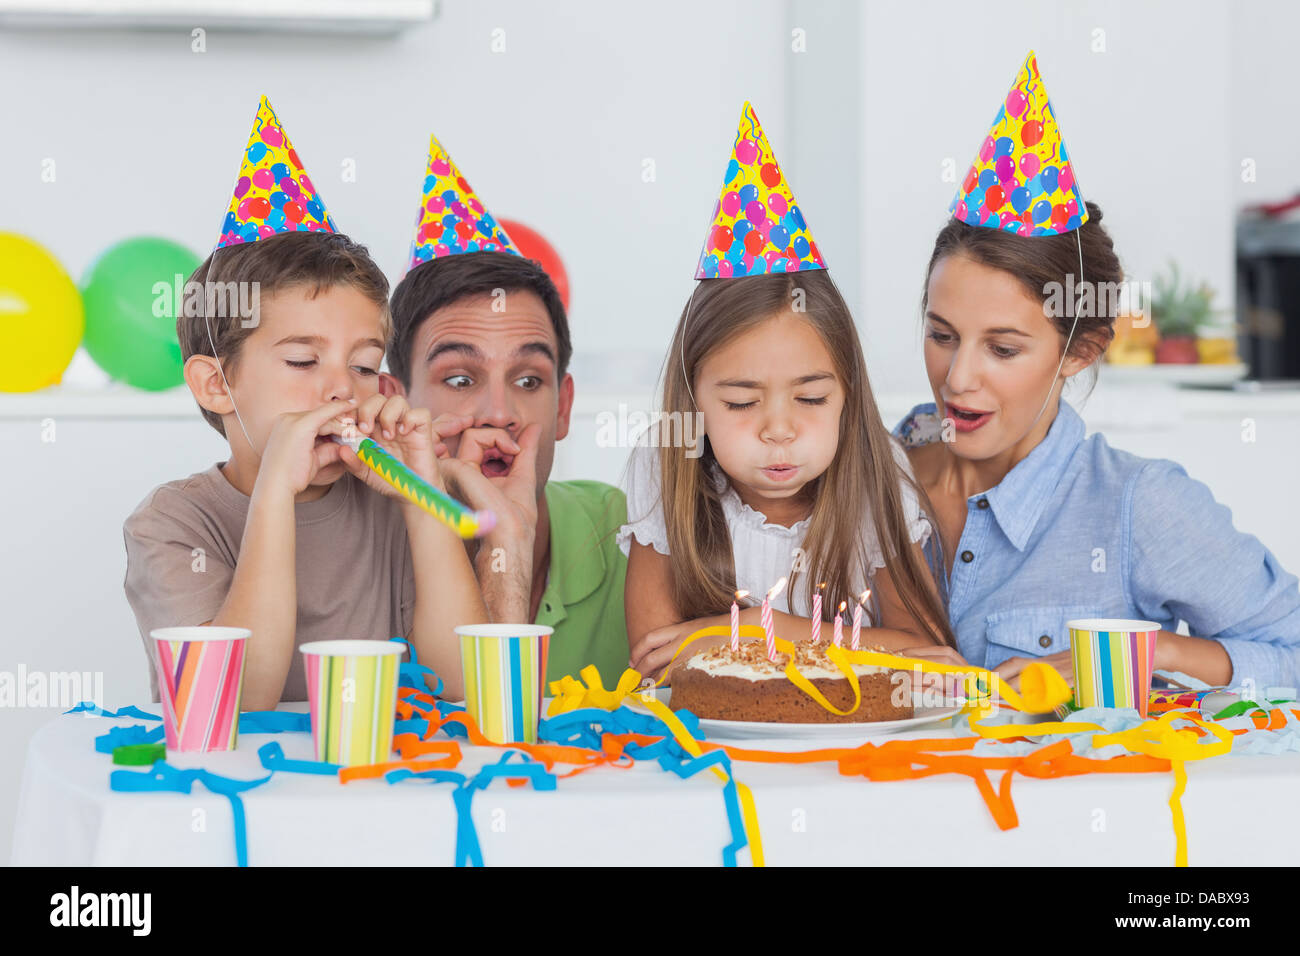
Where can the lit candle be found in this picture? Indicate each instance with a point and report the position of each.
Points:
(839, 625)
(817, 614)
(766, 617)
(857, 620)
(735, 621)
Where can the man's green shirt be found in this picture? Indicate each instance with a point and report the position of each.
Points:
(583, 600)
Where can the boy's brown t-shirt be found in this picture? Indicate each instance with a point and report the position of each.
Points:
(355, 578)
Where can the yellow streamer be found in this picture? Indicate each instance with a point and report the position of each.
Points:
(570, 694)
(1042, 690)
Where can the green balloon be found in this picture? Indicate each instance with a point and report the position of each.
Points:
(131, 300)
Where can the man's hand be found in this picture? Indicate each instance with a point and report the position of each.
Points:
(476, 477)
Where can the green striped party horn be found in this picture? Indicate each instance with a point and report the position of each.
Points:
(352, 694)
(461, 519)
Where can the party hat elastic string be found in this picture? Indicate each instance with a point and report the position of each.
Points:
(1069, 338)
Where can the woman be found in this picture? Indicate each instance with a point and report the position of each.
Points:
(1041, 525)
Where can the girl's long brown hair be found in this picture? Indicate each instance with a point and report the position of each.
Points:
(863, 479)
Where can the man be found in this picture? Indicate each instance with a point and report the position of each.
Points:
(484, 335)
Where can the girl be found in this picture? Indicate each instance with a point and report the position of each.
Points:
(797, 478)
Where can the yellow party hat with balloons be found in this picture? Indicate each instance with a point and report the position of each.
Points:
(756, 225)
(452, 219)
(273, 194)
(1022, 180)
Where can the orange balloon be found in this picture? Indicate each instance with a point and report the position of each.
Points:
(533, 245)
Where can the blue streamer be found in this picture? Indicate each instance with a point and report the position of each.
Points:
(469, 851)
(126, 736)
(86, 706)
(274, 722)
(164, 777)
(414, 674)
(415, 725)
(273, 759)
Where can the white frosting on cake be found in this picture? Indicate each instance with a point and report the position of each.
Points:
(720, 662)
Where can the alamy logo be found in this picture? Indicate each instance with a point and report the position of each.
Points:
(23, 688)
(102, 909)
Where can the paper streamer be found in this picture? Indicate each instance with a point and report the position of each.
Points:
(163, 776)
(87, 707)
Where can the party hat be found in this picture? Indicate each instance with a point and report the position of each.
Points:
(452, 219)
(756, 226)
(273, 193)
(1022, 180)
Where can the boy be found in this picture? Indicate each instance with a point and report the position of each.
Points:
(288, 537)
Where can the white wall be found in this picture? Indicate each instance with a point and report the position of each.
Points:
(1145, 123)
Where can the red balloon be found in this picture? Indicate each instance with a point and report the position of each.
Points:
(753, 242)
(993, 198)
(259, 208)
(1031, 133)
(465, 230)
(293, 212)
(533, 245)
(771, 175)
(968, 184)
(722, 238)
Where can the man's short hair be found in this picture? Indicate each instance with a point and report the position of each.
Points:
(316, 261)
(440, 282)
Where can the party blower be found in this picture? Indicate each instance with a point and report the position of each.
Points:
(464, 521)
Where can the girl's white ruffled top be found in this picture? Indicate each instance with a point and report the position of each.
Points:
(764, 552)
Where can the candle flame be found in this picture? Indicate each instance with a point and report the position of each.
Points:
(865, 594)
(821, 586)
(741, 594)
(776, 589)
(843, 605)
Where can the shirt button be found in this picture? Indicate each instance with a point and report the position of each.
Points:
(1045, 641)
(967, 557)
(982, 504)
(548, 607)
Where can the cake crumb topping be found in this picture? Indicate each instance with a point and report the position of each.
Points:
(753, 654)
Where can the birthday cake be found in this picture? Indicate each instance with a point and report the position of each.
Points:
(722, 684)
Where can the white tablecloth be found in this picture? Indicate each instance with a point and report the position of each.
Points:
(1239, 810)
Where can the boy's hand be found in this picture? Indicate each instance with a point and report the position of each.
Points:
(409, 434)
(293, 456)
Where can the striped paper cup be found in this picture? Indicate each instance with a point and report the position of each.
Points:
(1113, 660)
(352, 693)
(200, 677)
(505, 678)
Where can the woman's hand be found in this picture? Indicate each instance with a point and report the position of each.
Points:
(1010, 669)
(953, 684)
